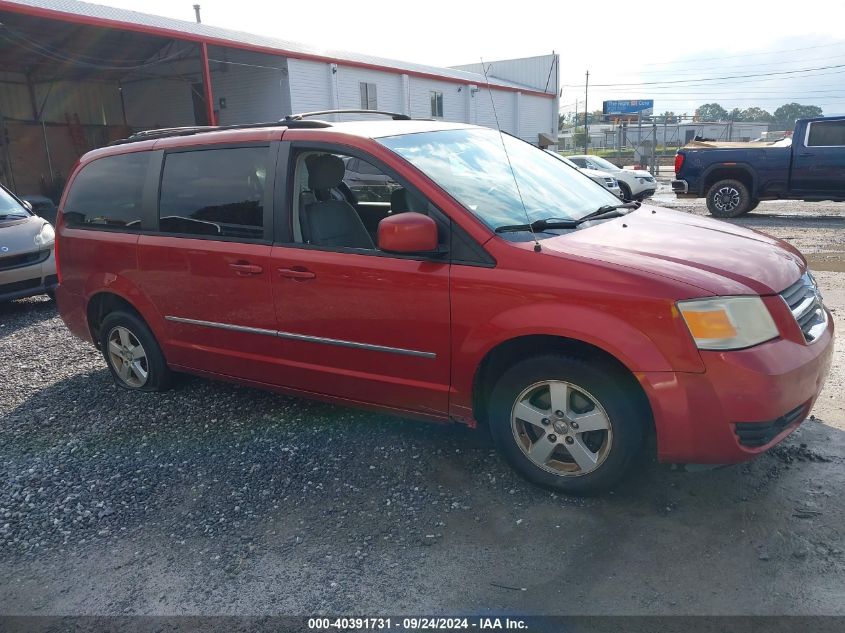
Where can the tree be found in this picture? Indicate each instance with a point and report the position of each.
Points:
(578, 138)
(755, 115)
(784, 116)
(666, 117)
(711, 112)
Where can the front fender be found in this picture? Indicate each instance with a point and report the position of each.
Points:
(668, 349)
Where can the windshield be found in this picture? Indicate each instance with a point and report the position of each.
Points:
(9, 207)
(603, 164)
(471, 165)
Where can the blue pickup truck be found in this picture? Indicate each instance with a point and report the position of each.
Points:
(735, 177)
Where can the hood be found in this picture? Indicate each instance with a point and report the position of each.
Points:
(18, 236)
(639, 173)
(595, 173)
(714, 256)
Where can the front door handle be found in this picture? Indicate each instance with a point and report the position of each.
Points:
(296, 273)
(242, 268)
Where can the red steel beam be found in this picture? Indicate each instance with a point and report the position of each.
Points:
(206, 84)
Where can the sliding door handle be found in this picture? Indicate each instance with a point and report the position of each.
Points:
(296, 273)
(242, 268)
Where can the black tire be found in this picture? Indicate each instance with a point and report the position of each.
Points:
(615, 393)
(626, 192)
(158, 375)
(51, 294)
(728, 199)
(754, 204)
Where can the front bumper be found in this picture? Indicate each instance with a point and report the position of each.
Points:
(26, 281)
(745, 402)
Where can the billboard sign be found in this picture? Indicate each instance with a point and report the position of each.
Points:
(629, 108)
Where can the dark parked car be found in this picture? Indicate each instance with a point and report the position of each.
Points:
(735, 177)
(42, 206)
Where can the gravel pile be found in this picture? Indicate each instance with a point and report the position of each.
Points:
(210, 465)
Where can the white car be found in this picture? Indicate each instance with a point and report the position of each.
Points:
(636, 184)
(603, 178)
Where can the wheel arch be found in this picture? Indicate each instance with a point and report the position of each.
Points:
(510, 351)
(729, 171)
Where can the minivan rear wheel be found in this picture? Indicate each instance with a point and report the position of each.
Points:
(566, 423)
(132, 353)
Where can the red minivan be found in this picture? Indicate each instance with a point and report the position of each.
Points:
(476, 280)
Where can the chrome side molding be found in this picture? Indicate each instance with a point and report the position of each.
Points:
(303, 337)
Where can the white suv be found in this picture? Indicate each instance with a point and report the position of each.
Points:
(606, 180)
(635, 184)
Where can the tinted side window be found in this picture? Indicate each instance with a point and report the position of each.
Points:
(826, 133)
(216, 192)
(107, 193)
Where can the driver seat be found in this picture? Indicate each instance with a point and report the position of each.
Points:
(327, 222)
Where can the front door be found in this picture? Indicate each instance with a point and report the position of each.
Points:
(208, 268)
(357, 323)
(818, 164)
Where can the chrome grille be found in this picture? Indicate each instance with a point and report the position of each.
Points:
(805, 302)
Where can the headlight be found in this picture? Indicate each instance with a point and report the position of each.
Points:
(46, 236)
(728, 322)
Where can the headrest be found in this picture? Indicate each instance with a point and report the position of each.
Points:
(325, 171)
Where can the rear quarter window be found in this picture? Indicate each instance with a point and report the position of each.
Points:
(107, 193)
(826, 133)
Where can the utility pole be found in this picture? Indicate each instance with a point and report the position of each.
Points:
(586, 112)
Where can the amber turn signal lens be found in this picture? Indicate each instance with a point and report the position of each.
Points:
(709, 324)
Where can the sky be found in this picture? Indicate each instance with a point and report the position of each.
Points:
(680, 57)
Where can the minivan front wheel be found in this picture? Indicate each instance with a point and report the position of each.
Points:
(132, 353)
(566, 423)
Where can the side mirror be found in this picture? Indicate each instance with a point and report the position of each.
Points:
(28, 205)
(407, 232)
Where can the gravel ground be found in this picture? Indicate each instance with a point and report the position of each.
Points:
(218, 499)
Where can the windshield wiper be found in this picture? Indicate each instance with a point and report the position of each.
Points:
(609, 211)
(606, 211)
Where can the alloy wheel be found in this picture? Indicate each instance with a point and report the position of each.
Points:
(561, 428)
(726, 199)
(128, 357)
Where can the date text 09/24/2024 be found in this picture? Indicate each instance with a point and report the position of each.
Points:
(415, 624)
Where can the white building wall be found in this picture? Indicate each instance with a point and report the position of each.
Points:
(348, 81)
(505, 103)
(537, 115)
(310, 85)
(454, 102)
(255, 86)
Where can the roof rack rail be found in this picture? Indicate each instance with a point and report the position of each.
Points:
(147, 135)
(396, 116)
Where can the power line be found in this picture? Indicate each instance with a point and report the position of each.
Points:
(785, 50)
(678, 81)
